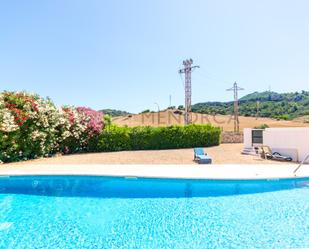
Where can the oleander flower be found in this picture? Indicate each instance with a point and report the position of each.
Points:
(92, 118)
(32, 126)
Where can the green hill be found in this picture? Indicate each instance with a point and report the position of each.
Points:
(114, 113)
(263, 104)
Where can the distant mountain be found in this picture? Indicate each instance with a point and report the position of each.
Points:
(263, 104)
(115, 113)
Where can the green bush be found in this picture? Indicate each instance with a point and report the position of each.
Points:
(262, 126)
(282, 117)
(116, 138)
(107, 119)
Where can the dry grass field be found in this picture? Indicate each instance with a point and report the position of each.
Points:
(166, 118)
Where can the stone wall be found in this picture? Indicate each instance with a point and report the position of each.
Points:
(230, 137)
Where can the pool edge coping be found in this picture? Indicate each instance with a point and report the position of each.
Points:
(211, 172)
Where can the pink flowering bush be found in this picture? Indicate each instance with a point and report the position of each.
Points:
(85, 125)
(31, 127)
(93, 119)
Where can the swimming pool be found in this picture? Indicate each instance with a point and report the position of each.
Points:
(119, 212)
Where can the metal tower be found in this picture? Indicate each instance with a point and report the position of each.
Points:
(235, 88)
(188, 92)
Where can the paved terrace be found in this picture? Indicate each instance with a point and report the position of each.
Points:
(222, 154)
(228, 164)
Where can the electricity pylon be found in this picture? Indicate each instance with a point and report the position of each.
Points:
(235, 89)
(188, 87)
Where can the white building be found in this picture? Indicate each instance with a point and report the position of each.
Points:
(293, 142)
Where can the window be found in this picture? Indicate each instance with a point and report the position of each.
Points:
(257, 136)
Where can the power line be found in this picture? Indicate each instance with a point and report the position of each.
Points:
(210, 76)
(182, 80)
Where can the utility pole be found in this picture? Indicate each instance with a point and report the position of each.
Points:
(170, 100)
(188, 88)
(257, 109)
(235, 89)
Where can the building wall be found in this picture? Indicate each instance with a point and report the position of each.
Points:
(293, 142)
(290, 141)
(247, 137)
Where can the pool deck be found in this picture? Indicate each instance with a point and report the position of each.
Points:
(213, 171)
(222, 154)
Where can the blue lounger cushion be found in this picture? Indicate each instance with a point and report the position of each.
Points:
(199, 151)
(203, 159)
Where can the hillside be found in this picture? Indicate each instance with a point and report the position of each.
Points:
(263, 104)
(173, 117)
(114, 113)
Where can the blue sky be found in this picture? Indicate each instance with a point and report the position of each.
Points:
(126, 54)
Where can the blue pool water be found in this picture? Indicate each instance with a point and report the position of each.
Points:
(108, 212)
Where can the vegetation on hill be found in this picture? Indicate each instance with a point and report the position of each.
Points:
(263, 104)
(115, 113)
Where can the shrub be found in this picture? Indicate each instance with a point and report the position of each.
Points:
(31, 127)
(28, 126)
(115, 138)
(282, 117)
(305, 112)
(82, 130)
(262, 126)
(107, 120)
(72, 131)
